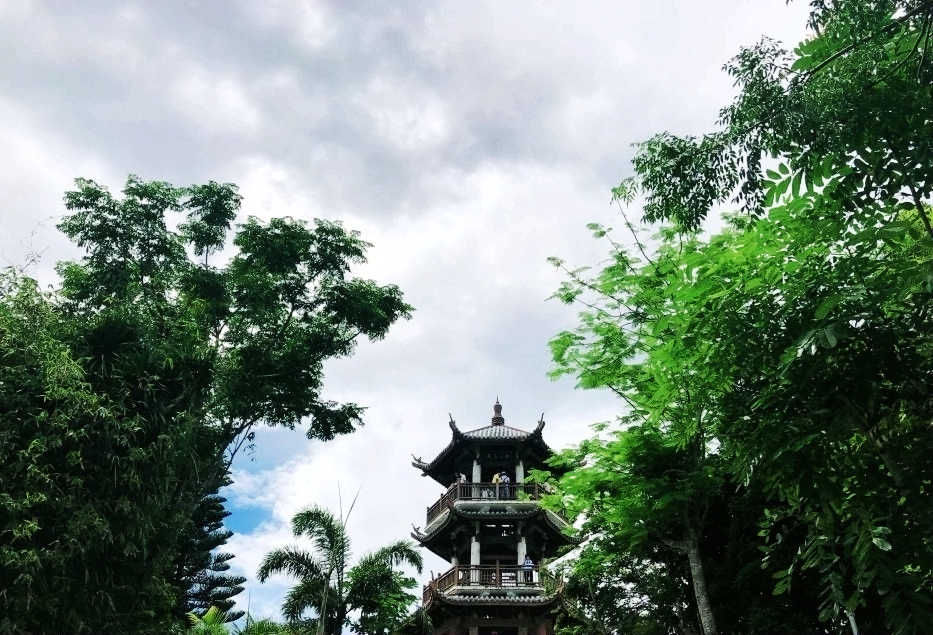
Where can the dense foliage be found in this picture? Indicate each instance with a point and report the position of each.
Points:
(126, 392)
(329, 589)
(200, 569)
(776, 374)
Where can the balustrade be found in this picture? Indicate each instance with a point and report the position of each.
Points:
(487, 576)
(486, 492)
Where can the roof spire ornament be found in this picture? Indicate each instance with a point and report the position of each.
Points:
(497, 419)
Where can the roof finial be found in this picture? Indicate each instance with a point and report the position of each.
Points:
(497, 419)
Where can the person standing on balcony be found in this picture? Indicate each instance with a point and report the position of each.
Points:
(506, 482)
(496, 478)
(528, 567)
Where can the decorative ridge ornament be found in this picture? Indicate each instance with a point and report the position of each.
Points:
(453, 426)
(497, 419)
(540, 425)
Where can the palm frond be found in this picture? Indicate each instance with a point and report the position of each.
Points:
(399, 553)
(291, 560)
(327, 532)
(307, 595)
(264, 627)
(211, 623)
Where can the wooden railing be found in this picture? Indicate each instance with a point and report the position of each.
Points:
(487, 576)
(484, 491)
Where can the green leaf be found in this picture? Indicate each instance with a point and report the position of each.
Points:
(881, 543)
(827, 305)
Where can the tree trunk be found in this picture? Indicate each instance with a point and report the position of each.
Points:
(707, 621)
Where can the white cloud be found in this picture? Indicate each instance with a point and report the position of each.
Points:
(45, 166)
(404, 114)
(217, 104)
(307, 23)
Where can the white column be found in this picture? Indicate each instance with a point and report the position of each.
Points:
(520, 472)
(474, 630)
(453, 561)
(522, 550)
(474, 559)
(477, 477)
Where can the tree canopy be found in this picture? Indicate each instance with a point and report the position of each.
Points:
(776, 373)
(129, 388)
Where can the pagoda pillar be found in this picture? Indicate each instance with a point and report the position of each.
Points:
(521, 551)
(477, 476)
(474, 559)
(520, 472)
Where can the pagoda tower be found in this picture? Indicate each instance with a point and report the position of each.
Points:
(494, 534)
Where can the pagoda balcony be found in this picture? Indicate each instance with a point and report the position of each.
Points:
(468, 579)
(486, 492)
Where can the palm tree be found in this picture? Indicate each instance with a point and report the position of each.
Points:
(211, 623)
(331, 589)
(264, 627)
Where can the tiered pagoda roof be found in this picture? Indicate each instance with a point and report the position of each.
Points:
(441, 467)
(435, 535)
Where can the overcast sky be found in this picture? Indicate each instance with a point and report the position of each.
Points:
(467, 140)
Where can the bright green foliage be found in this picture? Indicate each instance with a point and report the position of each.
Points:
(211, 623)
(127, 392)
(214, 622)
(783, 366)
(792, 355)
(330, 588)
(855, 101)
(267, 627)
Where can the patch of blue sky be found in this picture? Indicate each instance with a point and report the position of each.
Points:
(243, 520)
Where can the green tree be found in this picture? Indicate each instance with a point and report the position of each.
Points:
(795, 341)
(177, 359)
(201, 569)
(70, 523)
(608, 589)
(794, 344)
(331, 588)
(854, 100)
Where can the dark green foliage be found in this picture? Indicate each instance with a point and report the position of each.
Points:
(78, 545)
(201, 570)
(160, 367)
